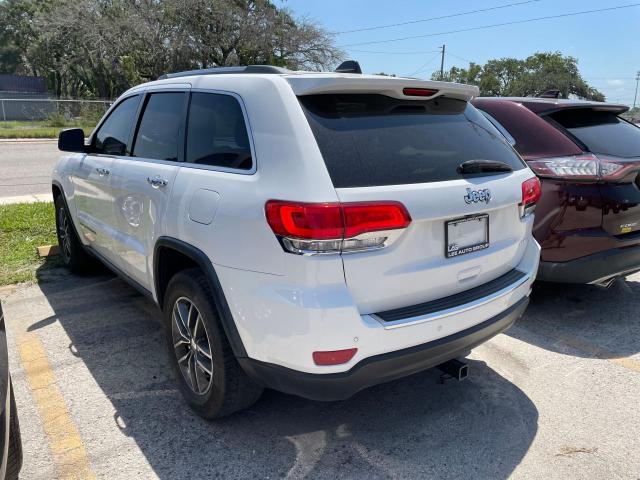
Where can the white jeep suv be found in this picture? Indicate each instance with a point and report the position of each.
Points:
(315, 233)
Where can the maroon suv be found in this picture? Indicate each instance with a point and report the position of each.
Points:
(588, 161)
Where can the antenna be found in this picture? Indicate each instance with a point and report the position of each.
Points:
(349, 66)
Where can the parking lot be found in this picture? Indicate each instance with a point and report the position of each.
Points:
(555, 397)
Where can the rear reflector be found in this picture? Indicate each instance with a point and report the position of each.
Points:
(335, 357)
(419, 92)
(531, 191)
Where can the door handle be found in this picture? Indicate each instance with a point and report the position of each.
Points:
(157, 182)
(102, 171)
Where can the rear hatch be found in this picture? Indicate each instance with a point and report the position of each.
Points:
(615, 145)
(466, 228)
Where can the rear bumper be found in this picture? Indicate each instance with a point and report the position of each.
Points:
(380, 368)
(594, 268)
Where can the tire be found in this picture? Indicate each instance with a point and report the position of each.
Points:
(72, 253)
(213, 385)
(14, 457)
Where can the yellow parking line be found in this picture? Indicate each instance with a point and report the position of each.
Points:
(601, 353)
(64, 440)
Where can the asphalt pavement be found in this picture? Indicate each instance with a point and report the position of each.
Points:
(556, 397)
(26, 166)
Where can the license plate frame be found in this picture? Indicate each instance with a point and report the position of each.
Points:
(452, 250)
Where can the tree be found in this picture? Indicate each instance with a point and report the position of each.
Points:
(529, 77)
(469, 76)
(100, 48)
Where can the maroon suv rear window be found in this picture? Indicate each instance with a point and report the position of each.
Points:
(600, 131)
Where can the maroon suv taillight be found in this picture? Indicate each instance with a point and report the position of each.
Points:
(586, 167)
(308, 228)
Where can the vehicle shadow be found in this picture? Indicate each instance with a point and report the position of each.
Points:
(583, 320)
(411, 428)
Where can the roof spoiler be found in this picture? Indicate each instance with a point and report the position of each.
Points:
(349, 66)
(402, 88)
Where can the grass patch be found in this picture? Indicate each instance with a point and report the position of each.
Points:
(41, 129)
(23, 228)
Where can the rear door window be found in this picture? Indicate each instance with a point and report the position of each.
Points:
(600, 131)
(371, 139)
(159, 129)
(217, 132)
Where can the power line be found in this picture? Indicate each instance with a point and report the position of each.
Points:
(423, 66)
(394, 53)
(460, 14)
(515, 22)
(459, 57)
(611, 78)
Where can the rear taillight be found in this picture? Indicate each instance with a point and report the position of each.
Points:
(531, 192)
(312, 228)
(586, 167)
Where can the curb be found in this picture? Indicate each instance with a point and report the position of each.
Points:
(39, 197)
(28, 140)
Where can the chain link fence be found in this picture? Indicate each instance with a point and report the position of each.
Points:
(55, 111)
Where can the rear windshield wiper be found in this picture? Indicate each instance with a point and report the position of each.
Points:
(483, 166)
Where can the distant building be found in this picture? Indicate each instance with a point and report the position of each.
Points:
(20, 97)
(23, 84)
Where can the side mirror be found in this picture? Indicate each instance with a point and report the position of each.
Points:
(71, 140)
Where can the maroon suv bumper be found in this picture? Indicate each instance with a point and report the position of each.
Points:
(596, 268)
(588, 232)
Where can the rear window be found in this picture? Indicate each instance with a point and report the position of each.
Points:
(370, 139)
(601, 132)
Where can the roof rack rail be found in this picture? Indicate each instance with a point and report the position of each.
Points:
(227, 70)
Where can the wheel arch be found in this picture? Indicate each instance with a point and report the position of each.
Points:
(58, 191)
(167, 251)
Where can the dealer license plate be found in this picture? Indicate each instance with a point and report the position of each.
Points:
(466, 235)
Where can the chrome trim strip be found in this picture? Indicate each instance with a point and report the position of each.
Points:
(389, 236)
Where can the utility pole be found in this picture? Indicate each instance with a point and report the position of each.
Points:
(442, 64)
(635, 97)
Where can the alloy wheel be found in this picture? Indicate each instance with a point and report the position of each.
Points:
(191, 345)
(64, 239)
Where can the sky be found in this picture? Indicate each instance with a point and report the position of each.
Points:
(606, 44)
